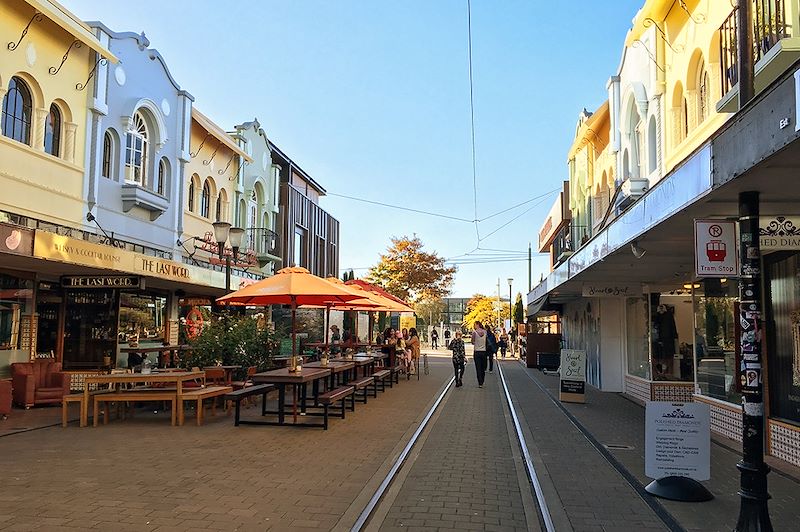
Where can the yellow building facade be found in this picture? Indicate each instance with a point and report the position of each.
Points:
(46, 61)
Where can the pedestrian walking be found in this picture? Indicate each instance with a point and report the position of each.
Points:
(413, 344)
(479, 345)
(434, 339)
(459, 358)
(503, 342)
(491, 347)
(447, 338)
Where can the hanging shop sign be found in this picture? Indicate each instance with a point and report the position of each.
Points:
(716, 251)
(611, 290)
(677, 440)
(573, 376)
(779, 233)
(165, 269)
(65, 249)
(15, 239)
(103, 281)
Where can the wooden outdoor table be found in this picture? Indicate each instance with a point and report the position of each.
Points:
(281, 378)
(228, 371)
(365, 362)
(162, 350)
(169, 377)
(337, 367)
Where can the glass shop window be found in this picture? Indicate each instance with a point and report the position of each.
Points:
(15, 300)
(716, 339)
(637, 332)
(142, 319)
(783, 341)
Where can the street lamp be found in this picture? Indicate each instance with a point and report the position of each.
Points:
(510, 318)
(222, 233)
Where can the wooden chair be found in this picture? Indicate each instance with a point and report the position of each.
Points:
(215, 376)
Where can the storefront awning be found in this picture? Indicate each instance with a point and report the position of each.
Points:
(536, 306)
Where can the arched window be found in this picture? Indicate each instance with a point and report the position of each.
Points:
(242, 213)
(52, 131)
(222, 206)
(219, 207)
(191, 194)
(652, 146)
(685, 119)
(162, 176)
(17, 111)
(136, 152)
(205, 200)
(702, 94)
(105, 167)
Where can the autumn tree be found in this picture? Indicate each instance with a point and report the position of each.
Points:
(484, 309)
(430, 310)
(408, 272)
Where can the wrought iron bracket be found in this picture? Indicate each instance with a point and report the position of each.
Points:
(224, 170)
(700, 17)
(195, 154)
(102, 61)
(208, 161)
(14, 45)
(650, 22)
(637, 43)
(75, 44)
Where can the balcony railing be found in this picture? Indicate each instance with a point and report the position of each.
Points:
(562, 245)
(769, 27)
(262, 242)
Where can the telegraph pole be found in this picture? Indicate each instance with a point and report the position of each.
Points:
(530, 279)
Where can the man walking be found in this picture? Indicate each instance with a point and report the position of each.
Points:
(479, 345)
(459, 358)
(434, 339)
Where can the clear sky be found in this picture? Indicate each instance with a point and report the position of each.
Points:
(371, 97)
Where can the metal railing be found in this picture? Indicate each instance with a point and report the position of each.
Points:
(562, 244)
(769, 27)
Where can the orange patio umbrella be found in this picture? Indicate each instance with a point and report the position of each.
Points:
(293, 286)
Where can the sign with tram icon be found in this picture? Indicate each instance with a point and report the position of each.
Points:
(716, 251)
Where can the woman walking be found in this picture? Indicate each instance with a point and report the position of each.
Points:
(479, 344)
(491, 347)
(459, 358)
(413, 344)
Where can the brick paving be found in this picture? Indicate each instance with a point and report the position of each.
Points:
(464, 476)
(614, 419)
(583, 491)
(143, 474)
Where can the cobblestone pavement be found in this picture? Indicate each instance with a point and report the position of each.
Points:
(142, 474)
(464, 477)
(582, 490)
(613, 419)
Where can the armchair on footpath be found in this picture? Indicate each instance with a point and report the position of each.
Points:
(38, 382)
(5, 398)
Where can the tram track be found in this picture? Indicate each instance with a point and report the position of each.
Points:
(395, 477)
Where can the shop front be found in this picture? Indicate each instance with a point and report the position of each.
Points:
(89, 305)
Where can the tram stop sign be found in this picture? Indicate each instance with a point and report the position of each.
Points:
(716, 251)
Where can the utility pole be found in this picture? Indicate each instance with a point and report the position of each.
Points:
(753, 511)
(530, 279)
(499, 304)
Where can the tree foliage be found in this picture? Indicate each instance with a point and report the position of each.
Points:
(408, 272)
(484, 309)
(231, 339)
(429, 310)
(519, 310)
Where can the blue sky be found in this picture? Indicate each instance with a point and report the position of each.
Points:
(371, 97)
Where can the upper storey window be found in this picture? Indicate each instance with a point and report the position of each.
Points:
(17, 110)
(136, 152)
(52, 131)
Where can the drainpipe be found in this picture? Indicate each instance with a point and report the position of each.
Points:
(744, 51)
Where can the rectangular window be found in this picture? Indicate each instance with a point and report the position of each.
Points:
(637, 321)
(716, 344)
(300, 252)
(783, 312)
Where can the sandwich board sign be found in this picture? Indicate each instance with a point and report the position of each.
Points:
(677, 440)
(572, 387)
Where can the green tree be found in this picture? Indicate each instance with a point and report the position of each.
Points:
(429, 311)
(233, 339)
(408, 272)
(519, 311)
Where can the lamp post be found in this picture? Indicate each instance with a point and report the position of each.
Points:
(222, 233)
(510, 309)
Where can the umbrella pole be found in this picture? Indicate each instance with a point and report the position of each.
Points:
(327, 323)
(293, 360)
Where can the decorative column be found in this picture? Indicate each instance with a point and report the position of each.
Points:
(753, 512)
(40, 117)
(69, 141)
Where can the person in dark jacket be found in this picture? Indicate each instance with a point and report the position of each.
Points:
(491, 347)
(459, 358)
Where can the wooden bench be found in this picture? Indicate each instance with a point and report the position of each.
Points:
(250, 391)
(127, 396)
(362, 387)
(333, 396)
(198, 395)
(380, 377)
(76, 398)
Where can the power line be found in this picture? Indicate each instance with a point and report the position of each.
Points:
(515, 218)
(520, 204)
(428, 213)
(472, 122)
